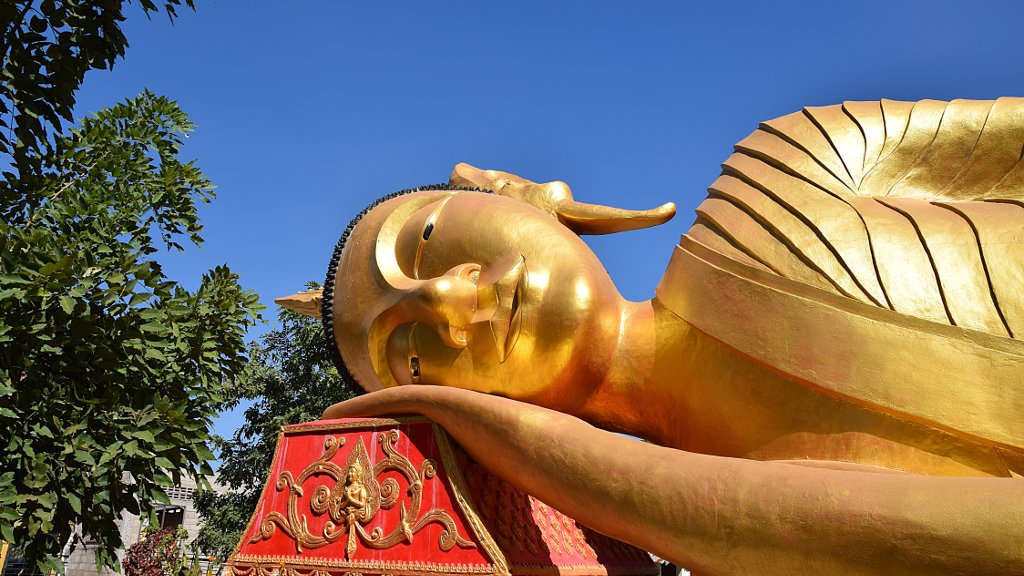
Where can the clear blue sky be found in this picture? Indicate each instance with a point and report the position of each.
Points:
(307, 111)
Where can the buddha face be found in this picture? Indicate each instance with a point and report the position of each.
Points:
(474, 290)
(354, 475)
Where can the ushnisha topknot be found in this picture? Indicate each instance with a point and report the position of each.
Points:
(327, 302)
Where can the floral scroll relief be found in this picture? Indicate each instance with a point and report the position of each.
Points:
(356, 497)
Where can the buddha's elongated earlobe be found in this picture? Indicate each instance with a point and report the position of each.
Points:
(305, 303)
(556, 199)
(583, 218)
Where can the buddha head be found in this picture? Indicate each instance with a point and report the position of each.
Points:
(354, 475)
(482, 284)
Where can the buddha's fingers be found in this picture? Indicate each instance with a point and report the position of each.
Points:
(724, 515)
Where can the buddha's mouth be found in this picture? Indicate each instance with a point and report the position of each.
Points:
(508, 317)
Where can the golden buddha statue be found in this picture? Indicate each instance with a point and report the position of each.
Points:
(829, 378)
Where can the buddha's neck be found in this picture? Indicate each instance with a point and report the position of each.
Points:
(637, 395)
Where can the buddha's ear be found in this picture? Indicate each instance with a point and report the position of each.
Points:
(556, 199)
(305, 303)
(583, 218)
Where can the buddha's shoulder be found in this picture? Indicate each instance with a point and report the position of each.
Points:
(913, 207)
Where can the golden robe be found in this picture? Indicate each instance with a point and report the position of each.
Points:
(875, 252)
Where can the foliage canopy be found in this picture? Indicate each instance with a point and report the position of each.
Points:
(110, 373)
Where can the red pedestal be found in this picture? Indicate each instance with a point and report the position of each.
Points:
(395, 497)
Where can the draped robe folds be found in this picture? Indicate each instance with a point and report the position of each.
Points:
(874, 251)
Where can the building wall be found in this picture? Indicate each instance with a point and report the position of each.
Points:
(81, 563)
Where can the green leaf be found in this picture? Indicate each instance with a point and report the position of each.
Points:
(154, 354)
(204, 452)
(47, 499)
(154, 328)
(13, 279)
(67, 303)
(85, 457)
(12, 292)
(160, 496)
(74, 501)
(139, 298)
(109, 454)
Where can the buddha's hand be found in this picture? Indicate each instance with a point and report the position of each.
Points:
(556, 199)
(557, 458)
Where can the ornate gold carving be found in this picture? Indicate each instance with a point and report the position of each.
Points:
(277, 565)
(355, 499)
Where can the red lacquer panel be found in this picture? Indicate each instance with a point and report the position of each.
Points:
(384, 496)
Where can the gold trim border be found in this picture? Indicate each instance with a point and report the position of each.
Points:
(339, 424)
(396, 568)
(377, 566)
(465, 502)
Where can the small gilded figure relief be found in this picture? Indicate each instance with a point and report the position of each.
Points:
(351, 499)
(348, 498)
(829, 376)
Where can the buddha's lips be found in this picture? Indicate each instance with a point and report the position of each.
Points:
(507, 319)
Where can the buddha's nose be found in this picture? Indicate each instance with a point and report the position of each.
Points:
(449, 303)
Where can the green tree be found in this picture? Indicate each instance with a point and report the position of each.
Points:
(289, 379)
(46, 47)
(110, 373)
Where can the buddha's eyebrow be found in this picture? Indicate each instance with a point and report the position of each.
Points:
(428, 227)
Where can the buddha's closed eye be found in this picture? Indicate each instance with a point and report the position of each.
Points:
(428, 228)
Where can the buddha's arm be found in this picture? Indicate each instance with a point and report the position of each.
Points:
(724, 515)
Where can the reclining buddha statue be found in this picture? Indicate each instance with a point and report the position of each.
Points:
(829, 378)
